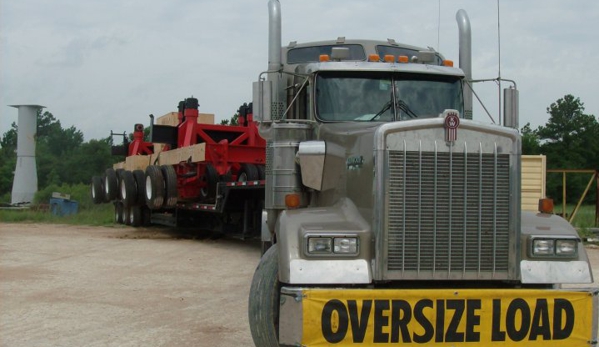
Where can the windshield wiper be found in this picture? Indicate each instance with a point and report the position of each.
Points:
(404, 107)
(385, 108)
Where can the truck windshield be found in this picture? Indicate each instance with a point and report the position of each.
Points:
(385, 97)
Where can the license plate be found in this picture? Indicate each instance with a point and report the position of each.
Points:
(497, 317)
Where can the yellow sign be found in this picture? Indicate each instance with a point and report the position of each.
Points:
(490, 317)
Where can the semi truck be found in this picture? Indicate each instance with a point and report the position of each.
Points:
(392, 217)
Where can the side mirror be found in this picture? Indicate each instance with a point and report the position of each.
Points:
(262, 91)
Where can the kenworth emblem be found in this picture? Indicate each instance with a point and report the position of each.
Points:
(452, 122)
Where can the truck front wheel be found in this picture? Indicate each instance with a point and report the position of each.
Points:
(263, 310)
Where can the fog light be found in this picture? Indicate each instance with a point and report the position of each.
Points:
(320, 245)
(566, 247)
(542, 247)
(346, 245)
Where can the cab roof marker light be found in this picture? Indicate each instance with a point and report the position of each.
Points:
(403, 59)
(389, 58)
(324, 58)
(448, 63)
(374, 58)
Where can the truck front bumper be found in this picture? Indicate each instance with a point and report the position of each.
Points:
(460, 317)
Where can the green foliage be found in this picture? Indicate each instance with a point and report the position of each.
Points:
(233, 121)
(530, 141)
(62, 156)
(570, 141)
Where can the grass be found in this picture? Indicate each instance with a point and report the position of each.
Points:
(585, 217)
(98, 215)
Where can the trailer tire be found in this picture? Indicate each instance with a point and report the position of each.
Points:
(97, 190)
(140, 179)
(110, 184)
(128, 192)
(248, 172)
(261, 172)
(146, 216)
(135, 216)
(126, 215)
(171, 194)
(210, 178)
(263, 307)
(118, 212)
(154, 187)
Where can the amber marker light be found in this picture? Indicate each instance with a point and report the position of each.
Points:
(374, 57)
(448, 63)
(389, 58)
(546, 205)
(403, 59)
(324, 58)
(292, 200)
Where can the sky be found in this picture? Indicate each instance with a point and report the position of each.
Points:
(103, 66)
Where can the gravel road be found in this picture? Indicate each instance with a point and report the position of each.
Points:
(74, 286)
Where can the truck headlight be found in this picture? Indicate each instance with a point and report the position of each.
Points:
(566, 247)
(346, 245)
(321, 245)
(542, 247)
(555, 247)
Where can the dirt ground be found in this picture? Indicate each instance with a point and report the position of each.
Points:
(92, 286)
(73, 286)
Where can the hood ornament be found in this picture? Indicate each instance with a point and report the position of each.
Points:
(452, 122)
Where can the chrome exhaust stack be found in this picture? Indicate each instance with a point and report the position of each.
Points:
(466, 58)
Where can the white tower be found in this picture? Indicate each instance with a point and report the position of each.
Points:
(24, 185)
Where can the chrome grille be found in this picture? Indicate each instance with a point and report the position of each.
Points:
(447, 215)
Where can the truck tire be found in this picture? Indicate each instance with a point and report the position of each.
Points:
(248, 172)
(118, 212)
(128, 191)
(97, 190)
(139, 177)
(154, 187)
(171, 194)
(210, 178)
(111, 184)
(146, 216)
(263, 307)
(135, 216)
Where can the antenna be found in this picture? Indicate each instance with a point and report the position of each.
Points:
(439, 28)
(499, 62)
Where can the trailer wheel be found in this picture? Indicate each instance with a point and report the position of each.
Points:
(110, 184)
(210, 180)
(248, 172)
(140, 180)
(128, 190)
(97, 190)
(118, 212)
(171, 193)
(261, 172)
(263, 308)
(146, 216)
(126, 215)
(154, 187)
(135, 216)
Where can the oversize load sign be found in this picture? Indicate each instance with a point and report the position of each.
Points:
(447, 317)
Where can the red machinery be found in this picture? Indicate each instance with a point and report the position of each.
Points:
(220, 189)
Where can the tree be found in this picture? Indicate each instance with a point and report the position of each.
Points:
(530, 141)
(570, 141)
(61, 154)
